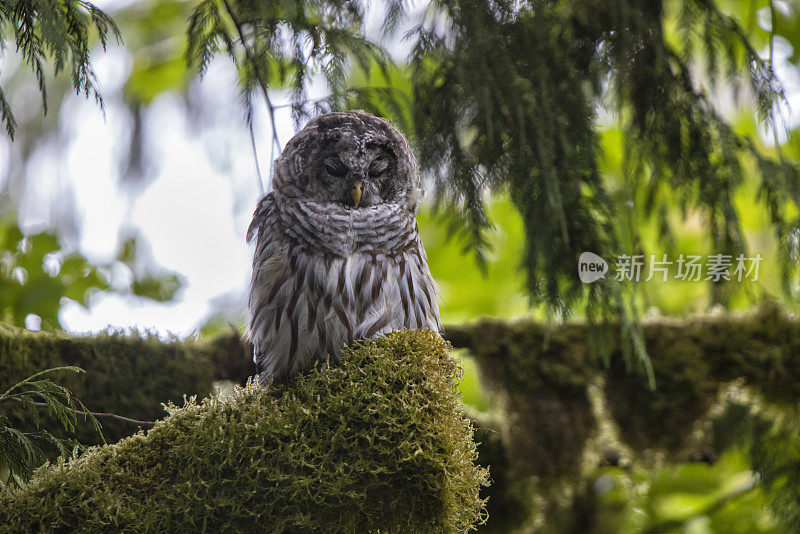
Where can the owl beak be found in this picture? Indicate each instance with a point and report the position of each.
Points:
(355, 192)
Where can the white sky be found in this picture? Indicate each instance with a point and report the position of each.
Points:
(193, 214)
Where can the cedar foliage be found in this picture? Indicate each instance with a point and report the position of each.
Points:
(376, 444)
(56, 31)
(22, 451)
(526, 124)
(504, 100)
(282, 44)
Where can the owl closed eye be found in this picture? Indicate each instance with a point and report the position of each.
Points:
(353, 174)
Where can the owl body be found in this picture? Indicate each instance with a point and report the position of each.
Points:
(338, 256)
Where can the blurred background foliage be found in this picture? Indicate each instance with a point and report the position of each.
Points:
(328, 57)
(37, 273)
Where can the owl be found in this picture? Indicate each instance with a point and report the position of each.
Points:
(338, 256)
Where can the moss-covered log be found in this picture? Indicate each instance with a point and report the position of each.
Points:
(545, 375)
(544, 379)
(378, 443)
(130, 375)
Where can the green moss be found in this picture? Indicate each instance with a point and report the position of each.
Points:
(378, 443)
(663, 418)
(693, 360)
(130, 375)
(549, 417)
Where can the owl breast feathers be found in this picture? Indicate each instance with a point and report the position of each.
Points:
(338, 256)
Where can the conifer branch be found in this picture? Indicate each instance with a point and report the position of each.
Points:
(21, 452)
(85, 412)
(57, 31)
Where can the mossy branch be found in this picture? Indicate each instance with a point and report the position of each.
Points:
(130, 375)
(377, 444)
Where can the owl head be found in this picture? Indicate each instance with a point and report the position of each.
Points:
(351, 160)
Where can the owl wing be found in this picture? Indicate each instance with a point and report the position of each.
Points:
(394, 293)
(297, 312)
(270, 290)
(423, 292)
(264, 214)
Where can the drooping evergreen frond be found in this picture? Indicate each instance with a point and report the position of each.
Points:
(683, 146)
(505, 101)
(280, 45)
(772, 441)
(501, 106)
(506, 95)
(23, 451)
(56, 31)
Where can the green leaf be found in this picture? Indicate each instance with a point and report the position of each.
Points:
(158, 288)
(151, 78)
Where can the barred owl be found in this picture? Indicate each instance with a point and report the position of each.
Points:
(338, 257)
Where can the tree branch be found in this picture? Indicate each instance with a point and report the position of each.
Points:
(96, 414)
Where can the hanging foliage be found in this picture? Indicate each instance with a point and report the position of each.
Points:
(56, 31)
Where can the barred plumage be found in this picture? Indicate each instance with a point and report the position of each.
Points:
(338, 255)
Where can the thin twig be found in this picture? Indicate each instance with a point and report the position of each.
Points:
(776, 110)
(96, 414)
(271, 164)
(261, 81)
(255, 158)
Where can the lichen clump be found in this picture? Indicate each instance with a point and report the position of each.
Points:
(377, 443)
